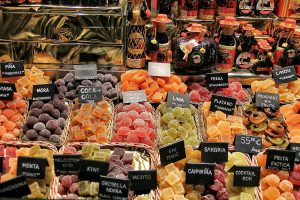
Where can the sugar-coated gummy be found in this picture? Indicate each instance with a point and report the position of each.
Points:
(52, 125)
(39, 126)
(69, 77)
(55, 113)
(44, 118)
(45, 133)
(57, 131)
(63, 89)
(61, 122)
(54, 138)
(86, 83)
(59, 82)
(37, 104)
(31, 120)
(41, 138)
(31, 134)
(35, 112)
(25, 138)
(47, 107)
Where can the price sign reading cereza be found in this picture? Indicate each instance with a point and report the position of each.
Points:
(266, 100)
(15, 187)
(92, 169)
(32, 167)
(134, 96)
(178, 100)
(280, 159)
(216, 80)
(200, 173)
(224, 104)
(248, 144)
(144, 180)
(43, 92)
(295, 147)
(285, 75)
(113, 188)
(66, 164)
(12, 69)
(246, 176)
(7, 91)
(172, 153)
(89, 94)
(214, 152)
(85, 72)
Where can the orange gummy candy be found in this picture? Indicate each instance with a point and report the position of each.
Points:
(272, 180)
(272, 193)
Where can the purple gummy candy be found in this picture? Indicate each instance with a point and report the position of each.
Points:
(216, 186)
(127, 158)
(119, 151)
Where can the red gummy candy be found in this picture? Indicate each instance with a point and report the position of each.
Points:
(116, 138)
(123, 131)
(132, 138)
(194, 96)
(216, 186)
(138, 123)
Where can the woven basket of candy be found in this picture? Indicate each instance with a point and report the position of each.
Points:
(218, 126)
(47, 122)
(278, 183)
(172, 179)
(14, 113)
(67, 85)
(178, 123)
(91, 122)
(121, 158)
(267, 123)
(10, 151)
(135, 123)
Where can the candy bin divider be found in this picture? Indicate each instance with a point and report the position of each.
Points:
(259, 190)
(155, 144)
(45, 145)
(202, 121)
(154, 158)
(64, 134)
(109, 126)
(197, 120)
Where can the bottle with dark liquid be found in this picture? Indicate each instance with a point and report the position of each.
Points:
(207, 9)
(189, 8)
(227, 44)
(245, 7)
(264, 7)
(227, 7)
(264, 62)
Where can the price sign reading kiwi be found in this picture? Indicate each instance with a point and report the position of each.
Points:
(43, 92)
(172, 153)
(83, 72)
(224, 104)
(15, 187)
(89, 94)
(285, 75)
(280, 159)
(7, 91)
(216, 80)
(12, 69)
(267, 100)
(246, 176)
(248, 144)
(92, 169)
(178, 100)
(32, 167)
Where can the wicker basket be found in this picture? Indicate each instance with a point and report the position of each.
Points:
(131, 147)
(64, 135)
(109, 126)
(258, 191)
(44, 145)
(153, 117)
(198, 126)
(202, 121)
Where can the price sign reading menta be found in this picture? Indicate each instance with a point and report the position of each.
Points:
(12, 69)
(85, 72)
(89, 94)
(216, 80)
(7, 91)
(178, 100)
(32, 167)
(285, 75)
(43, 92)
(248, 144)
(224, 104)
(172, 153)
(134, 96)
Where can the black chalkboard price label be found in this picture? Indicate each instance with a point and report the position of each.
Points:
(7, 91)
(285, 75)
(200, 173)
(248, 144)
(295, 147)
(280, 159)
(43, 92)
(266, 100)
(246, 176)
(134, 96)
(91, 170)
(143, 180)
(89, 94)
(67, 164)
(224, 104)
(31, 167)
(1, 164)
(12, 69)
(172, 153)
(212, 152)
(85, 72)
(216, 80)
(178, 100)
(16, 187)
(113, 188)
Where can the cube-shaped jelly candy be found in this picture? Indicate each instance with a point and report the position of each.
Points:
(2, 150)
(173, 179)
(87, 151)
(84, 188)
(167, 193)
(87, 125)
(11, 152)
(179, 197)
(171, 168)
(119, 151)
(86, 107)
(94, 188)
(178, 189)
(34, 150)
